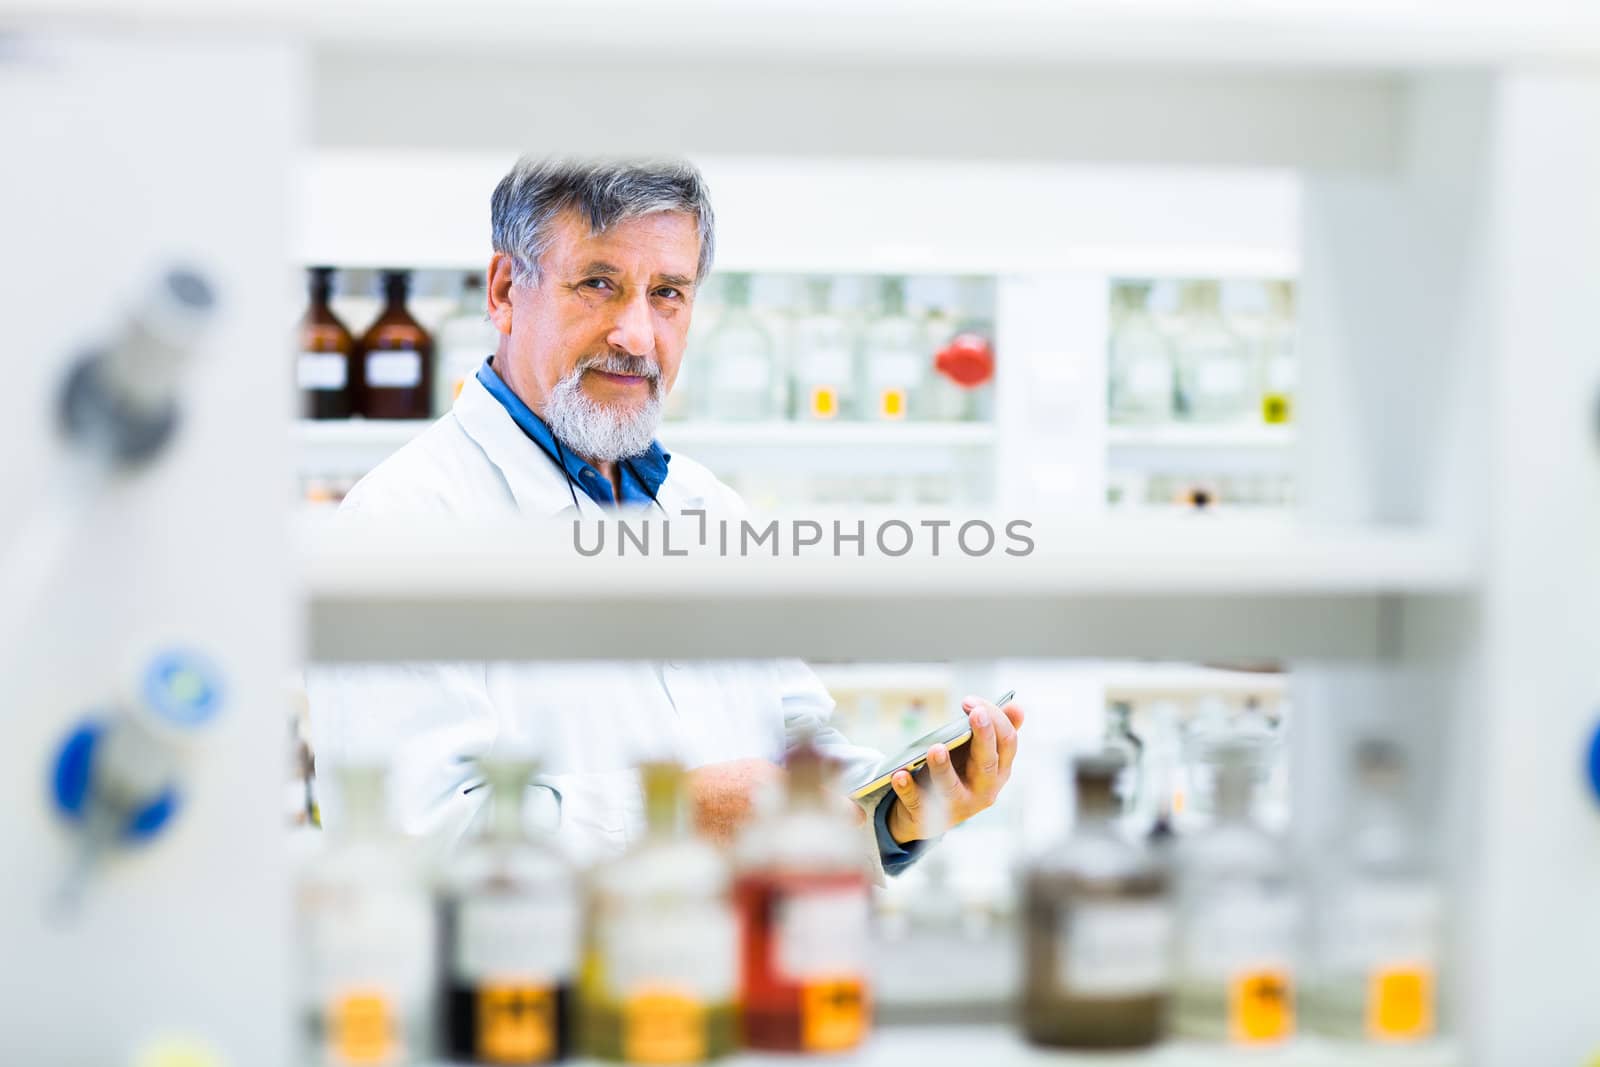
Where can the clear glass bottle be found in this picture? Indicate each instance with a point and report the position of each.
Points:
(1279, 363)
(660, 957)
(739, 381)
(1239, 917)
(823, 358)
(463, 340)
(396, 380)
(801, 894)
(1120, 738)
(323, 369)
(365, 938)
(894, 368)
(1098, 908)
(1378, 915)
(1140, 371)
(1215, 378)
(509, 912)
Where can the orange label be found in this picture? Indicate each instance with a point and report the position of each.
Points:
(361, 1031)
(516, 1024)
(894, 404)
(833, 1015)
(824, 403)
(1260, 1007)
(1400, 1004)
(663, 1027)
(1276, 408)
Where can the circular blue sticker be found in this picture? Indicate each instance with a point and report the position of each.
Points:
(183, 687)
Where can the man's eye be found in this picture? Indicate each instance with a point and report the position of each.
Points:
(602, 284)
(669, 292)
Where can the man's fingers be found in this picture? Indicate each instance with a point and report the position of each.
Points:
(983, 759)
(944, 775)
(1005, 743)
(1013, 712)
(906, 790)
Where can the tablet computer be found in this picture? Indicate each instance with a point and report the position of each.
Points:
(952, 735)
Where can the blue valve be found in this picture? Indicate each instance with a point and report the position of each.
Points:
(71, 779)
(1594, 762)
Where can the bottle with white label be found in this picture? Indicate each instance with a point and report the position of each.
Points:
(509, 910)
(1239, 917)
(823, 359)
(366, 938)
(464, 339)
(1216, 379)
(660, 956)
(801, 894)
(740, 378)
(1099, 920)
(396, 380)
(1378, 913)
(894, 366)
(1140, 370)
(322, 368)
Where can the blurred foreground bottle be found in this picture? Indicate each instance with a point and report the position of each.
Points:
(510, 916)
(323, 370)
(1378, 916)
(894, 367)
(1238, 917)
(823, 358)
(1140, 370)
(801, 894)
(660, 955)
(1099, 928)
(465, 339)
(366, 938)
(397, 358)
(738, 382)
(1215, 383)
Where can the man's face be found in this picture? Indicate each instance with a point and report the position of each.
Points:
(626, 293)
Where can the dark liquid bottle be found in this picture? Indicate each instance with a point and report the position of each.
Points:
(801, 894)
(324, 369)
(1099, 930)
(396, 358)
(509, 913)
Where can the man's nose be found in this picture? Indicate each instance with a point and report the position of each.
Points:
(632, 331)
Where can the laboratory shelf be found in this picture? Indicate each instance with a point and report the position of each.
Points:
(1002, 1046)
(1135, 681)
(1132, 588)
(1200, 435)
(354, 446)
(1223, 31)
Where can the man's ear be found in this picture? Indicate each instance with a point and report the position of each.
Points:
(499, 284)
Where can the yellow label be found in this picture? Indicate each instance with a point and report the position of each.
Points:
(1400, 1004)
(824, 403)
(663, 1027)
(1260, 1007)
(516, 1024)
(455, 390)
(833, 1015)
(893, 404)
(1276, 408)
(362, 1031)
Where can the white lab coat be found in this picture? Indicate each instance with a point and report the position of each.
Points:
(591, 723)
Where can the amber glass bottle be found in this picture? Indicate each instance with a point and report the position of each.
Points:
(397, 358)
(801, 893)
(323, 369)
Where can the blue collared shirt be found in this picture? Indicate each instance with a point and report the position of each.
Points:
(642, 476)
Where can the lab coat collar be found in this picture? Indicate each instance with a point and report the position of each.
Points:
(540, 487)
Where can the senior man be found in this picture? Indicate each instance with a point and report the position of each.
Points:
(592, 287)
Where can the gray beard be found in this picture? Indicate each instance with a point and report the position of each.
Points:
(597, 432)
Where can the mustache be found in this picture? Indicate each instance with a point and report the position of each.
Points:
(621, 363)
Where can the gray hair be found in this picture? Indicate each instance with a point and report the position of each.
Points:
(605, 192)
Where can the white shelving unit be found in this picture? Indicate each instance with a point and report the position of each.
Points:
(1421, 168)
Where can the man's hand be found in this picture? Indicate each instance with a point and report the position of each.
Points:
(968, 780)
(722, 795)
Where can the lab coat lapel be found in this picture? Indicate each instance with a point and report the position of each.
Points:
(538, 486)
